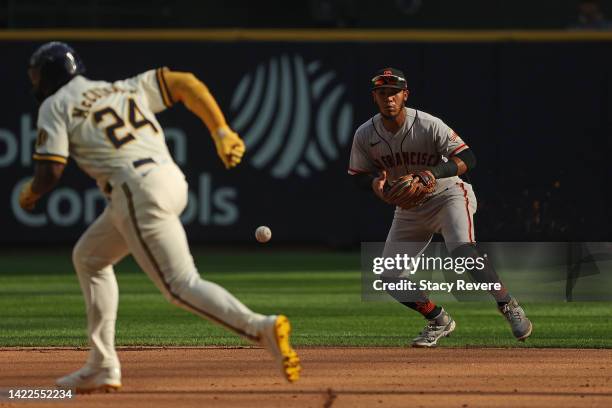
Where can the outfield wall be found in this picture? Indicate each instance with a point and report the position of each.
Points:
(535, 107)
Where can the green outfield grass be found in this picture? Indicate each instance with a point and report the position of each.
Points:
(41, 305)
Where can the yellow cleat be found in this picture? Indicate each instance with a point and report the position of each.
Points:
(275, 338)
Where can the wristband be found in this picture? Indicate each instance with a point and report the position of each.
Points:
(445, 169)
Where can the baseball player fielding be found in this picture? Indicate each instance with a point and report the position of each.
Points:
(412, 160)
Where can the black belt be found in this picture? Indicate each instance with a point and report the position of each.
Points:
(142, 162)
(108, 189)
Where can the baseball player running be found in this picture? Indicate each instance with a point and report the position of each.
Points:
(412, 159)
(110, 130)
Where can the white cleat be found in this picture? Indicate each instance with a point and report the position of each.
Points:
(437, 328)
(89, 380)
(275, 338)
(517, 319)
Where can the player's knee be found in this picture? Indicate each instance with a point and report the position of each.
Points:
(182, 284)
(177, 299)
(172, 298)
(85, 261)
(79, 256)
(179, 288)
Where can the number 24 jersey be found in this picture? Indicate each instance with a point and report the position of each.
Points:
(104, 126)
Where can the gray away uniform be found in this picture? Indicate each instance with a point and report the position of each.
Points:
(419, 144)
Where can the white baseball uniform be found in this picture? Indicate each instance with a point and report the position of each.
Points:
(419, 144)
(110, 130)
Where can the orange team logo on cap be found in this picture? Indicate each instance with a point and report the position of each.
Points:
(387, 72)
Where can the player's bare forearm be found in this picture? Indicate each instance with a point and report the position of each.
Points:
(46, 176)
(378, 184)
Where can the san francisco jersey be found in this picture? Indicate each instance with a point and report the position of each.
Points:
(421, 142)
(104, 126)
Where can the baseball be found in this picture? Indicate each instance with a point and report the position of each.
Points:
(263, 234)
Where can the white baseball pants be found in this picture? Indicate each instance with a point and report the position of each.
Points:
(142, 218)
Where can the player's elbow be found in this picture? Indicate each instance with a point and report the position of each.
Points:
(183, 84)
(468, 157)
(188, 80)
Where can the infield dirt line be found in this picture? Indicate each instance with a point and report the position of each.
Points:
(331, 393)
(332, 377)
(253, 347)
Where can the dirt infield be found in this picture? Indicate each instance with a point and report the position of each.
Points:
(332, 377)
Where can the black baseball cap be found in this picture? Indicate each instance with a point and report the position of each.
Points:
(389, 78)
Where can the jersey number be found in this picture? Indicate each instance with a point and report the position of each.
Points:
(135, 117)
